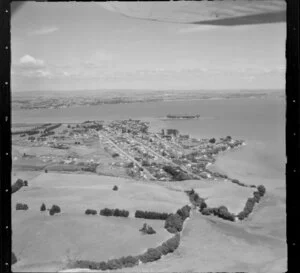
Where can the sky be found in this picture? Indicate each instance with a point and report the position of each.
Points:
(82, 46)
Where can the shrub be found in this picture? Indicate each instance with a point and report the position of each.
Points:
(13, 258)
(262, 190)
(90, 211)
(20, 206)
(54, 209)
(115, 188)
(43, 207)
(17, 185)
(151, 255)
(174, 223)
(146, 229)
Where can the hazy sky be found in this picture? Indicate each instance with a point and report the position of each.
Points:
(73, 46)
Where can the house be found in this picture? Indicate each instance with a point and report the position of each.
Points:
(172, 132)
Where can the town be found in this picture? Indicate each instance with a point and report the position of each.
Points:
(120, 148)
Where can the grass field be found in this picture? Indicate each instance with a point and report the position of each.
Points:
(45, 243)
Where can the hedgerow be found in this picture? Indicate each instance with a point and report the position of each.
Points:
(151, 215)
(17, 185)
(90, 212)
(114, 212)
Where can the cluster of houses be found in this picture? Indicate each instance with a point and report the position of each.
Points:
(169, 148)
(165, 156)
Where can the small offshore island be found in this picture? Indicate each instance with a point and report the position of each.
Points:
(183, 116)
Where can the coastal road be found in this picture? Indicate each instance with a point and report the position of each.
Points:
(126, 155)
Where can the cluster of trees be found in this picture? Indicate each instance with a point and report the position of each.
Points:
(20, 206)
(146, 229)
(177, 173)
(174, 223)
(114, 212)
(235, 181)
(261, 190)
(151, 215)
(196, 200)
(212, 140)
(17, 185)
(113, 264)
(90, 211)
(54, 209)
(221, 212)
(153, 254)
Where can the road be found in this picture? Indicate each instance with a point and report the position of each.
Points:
(126, 155)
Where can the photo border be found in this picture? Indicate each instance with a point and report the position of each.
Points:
(292, 131)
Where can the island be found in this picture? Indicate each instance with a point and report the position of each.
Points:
(183, 116)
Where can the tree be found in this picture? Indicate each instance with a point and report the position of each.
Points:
(46, 171)
(174, 223)
(54, 209)
(106, 212)
(257, 196)
(146, 229)
(25, 183)
(90, 212)
(184, 212)
(262, 190)
(115, 188)
(212, 140)
(43, 207)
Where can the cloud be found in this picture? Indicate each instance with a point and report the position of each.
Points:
(28, 61)
(43, 31)
(31, 67)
